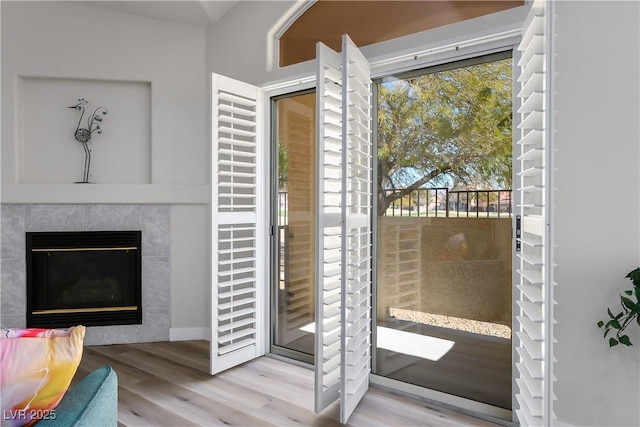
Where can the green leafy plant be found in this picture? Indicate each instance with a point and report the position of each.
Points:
(630, 312)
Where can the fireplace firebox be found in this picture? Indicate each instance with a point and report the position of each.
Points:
(90, 278)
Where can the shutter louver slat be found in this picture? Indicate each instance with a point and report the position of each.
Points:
(534, 64)
(532, 139)
(533, 276)
(236, 335)
(236, 324)
(534, 367)
(531, 310)
(533, 348)
(531, 259)
(532, 292)
(534, 405)
(532, 120)
(235, 293)
(533, 103)
(532, 85)
(532, 328)
(228, 349)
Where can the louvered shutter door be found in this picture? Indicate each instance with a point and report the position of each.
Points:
(328, 238)
(356, 212)
(534, 315)
(236, 232)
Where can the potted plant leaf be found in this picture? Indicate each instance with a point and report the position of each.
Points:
(630, 301)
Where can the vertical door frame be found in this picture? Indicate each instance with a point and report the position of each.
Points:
(272, 92)
(272, 212)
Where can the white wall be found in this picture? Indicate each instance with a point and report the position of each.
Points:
(239, 45)
(68, 40)
(596, 212)
(73, 41)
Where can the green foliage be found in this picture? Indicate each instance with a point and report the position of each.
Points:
(630, 312)
(283, 166)
(448, 127)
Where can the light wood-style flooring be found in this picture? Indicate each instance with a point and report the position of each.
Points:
(168, 384)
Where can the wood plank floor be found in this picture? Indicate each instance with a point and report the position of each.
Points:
(167, 384)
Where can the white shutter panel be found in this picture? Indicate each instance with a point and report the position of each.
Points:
(328, 238)
(534, 315)
(237, 302)
(356, 232)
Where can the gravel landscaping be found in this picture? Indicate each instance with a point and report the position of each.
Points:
(467, 325)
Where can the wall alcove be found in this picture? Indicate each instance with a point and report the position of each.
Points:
(47, 150)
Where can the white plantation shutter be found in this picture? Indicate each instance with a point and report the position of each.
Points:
(343, 300)
(329, 230)
(534, 315)
(237, 303)
(356, 211)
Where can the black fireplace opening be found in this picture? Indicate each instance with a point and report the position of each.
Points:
(91, 278)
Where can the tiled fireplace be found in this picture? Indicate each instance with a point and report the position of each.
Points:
(153, 221)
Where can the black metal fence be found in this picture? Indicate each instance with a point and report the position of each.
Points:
(435, 202)
(445, 203)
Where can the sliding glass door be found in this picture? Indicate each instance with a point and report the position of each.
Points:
(293, 278)
(444, 202)
(444, 229)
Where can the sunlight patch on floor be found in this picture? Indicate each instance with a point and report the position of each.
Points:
(404, 342)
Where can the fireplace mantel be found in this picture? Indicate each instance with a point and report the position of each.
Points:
(105, 193)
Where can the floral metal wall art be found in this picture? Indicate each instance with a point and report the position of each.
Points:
(83, 135)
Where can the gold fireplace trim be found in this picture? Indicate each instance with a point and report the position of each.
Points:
(86, 310)
(125, 248)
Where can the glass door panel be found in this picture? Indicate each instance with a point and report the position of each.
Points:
(444, 293)
(293, 290)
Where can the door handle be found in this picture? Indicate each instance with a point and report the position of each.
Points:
(518, 233)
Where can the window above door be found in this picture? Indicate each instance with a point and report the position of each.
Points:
(370, 22)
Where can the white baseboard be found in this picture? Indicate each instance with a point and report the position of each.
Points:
(559, 423)
(187, 334)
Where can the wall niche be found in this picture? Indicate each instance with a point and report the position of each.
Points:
(47, 152)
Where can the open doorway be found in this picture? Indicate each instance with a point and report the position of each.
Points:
(443, 291)
(294, 211)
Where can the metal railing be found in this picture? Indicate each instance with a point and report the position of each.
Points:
(445, 203)
(435, 202)
(283, 208)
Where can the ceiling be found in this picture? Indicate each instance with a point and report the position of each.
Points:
(194, 12)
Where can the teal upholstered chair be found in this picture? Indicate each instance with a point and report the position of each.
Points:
(92, 402)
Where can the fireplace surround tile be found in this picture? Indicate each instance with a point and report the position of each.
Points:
(13, 226)
(54, 217)
(123, 334)
(156, 230)
(159, 321)
(153, 220)
(13, 320)
(13, 278)
(112, 217)
(156, 282)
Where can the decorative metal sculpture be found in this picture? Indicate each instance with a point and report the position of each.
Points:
(83, 135)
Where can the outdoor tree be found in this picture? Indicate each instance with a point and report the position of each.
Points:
(450, 128)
